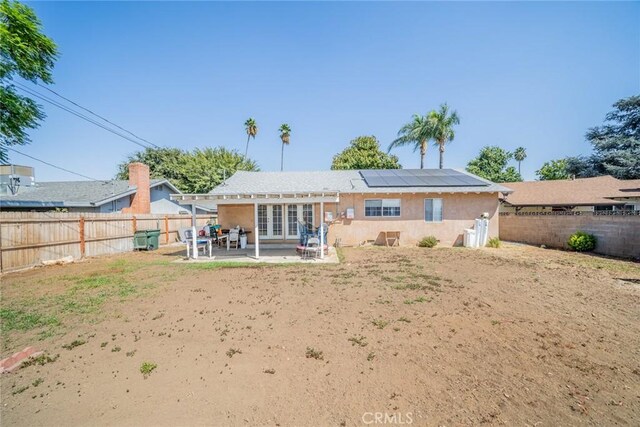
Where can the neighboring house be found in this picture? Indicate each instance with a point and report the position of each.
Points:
(138, 195)
(359, 205)
(602, 193)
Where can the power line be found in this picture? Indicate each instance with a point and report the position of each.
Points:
(75, 113)
(98, 115)
(54, 166)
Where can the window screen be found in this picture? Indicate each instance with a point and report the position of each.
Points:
(382, 207)
(433, 210)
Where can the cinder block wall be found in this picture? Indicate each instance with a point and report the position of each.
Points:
(617, 235)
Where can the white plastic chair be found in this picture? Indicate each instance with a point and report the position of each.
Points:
(234, 237)
(312, 248)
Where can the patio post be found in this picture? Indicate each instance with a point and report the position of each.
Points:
(255, 230)
(321, 230)
(194, 233)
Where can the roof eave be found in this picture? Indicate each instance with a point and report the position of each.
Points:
(113, 197)
(168, 184)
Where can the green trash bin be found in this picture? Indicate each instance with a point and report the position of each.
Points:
(146, 239)
(153, 237)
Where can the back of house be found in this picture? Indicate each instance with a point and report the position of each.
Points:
(359, 205)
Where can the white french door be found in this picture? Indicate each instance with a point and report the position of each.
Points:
(281, 221)
(270, 221)
(295, 213)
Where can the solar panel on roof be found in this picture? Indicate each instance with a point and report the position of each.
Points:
(419, 178)
(375, 181)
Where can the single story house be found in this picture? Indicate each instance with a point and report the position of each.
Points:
(602, 193)
(359, 205)
(139, 194)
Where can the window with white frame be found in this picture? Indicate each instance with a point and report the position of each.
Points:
(382, 207)
(433, 210)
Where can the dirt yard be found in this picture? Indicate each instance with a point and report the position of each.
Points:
(516, 335)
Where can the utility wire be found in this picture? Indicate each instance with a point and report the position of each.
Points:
(82, 116)
(54, 166)
(96, 114)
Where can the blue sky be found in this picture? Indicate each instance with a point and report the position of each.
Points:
(188, 75)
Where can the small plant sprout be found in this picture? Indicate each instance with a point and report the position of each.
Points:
(147, 367)
(379, 323)
(360, 341)
(312, 353)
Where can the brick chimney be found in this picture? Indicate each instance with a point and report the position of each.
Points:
(139, 178)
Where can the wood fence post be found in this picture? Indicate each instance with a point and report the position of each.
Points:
(82, 239)
(134, 224)
(166, 229)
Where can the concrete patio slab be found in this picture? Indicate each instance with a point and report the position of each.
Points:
(273, 254)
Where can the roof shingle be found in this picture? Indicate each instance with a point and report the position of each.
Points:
(577, 192)
(72, 193)
(343, 181)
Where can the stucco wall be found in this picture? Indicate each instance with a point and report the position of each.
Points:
(459, 212)
(617, 235)
(230, 216)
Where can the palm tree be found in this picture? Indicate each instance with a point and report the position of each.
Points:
(417, 132)
(251, 127)
(442, 123)
(285, 131)
(519, 155)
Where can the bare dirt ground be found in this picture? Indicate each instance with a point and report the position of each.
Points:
(516, 335)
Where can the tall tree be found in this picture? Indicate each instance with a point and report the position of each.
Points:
(552, 170)
(364, 153)
(491, 164)
(197, 171)
(285, 133)
(25, 52)
(616, 144)
(417, 133)
(519, 155)
(251, 127)
(442, 123)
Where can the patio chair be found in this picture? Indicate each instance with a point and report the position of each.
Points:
(312, 248)
(304, 232)
(214, 233)
(324, 229)
(201, 243)
(234, 237)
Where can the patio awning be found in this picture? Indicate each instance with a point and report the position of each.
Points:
(253, 198)
(212, 199)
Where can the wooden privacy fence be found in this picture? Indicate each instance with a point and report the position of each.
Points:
(29, 238)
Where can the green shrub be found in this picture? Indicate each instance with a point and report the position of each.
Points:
(428, 242)
(494, 242)
(581, 241)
